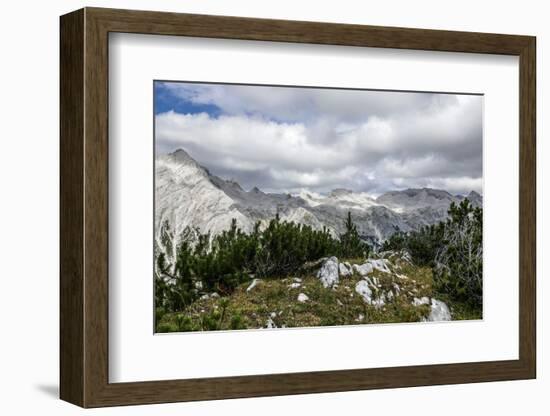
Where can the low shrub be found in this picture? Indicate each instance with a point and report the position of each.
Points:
(454, 250)
(221, 263)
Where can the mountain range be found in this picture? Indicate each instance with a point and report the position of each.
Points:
(188, 196)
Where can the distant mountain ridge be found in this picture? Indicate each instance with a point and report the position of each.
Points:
(188, 196)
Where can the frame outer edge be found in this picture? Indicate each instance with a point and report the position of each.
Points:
(528, 209)
(84, 189)
(294, 31)
(96, 208)
(71, 291)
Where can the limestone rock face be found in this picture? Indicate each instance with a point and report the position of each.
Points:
(362, 288)
(302, 297)
(363, 269)
(345, 269)
(328, 274)
(440, 311)
(422, 301)
(380, 265)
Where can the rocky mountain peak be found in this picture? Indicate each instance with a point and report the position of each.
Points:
(182, 156)
(339, 192)
(188, 195)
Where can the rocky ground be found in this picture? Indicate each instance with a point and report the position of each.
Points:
(385, 289)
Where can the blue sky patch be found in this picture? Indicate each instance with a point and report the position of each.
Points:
(167, 100)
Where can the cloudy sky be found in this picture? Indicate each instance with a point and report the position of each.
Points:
(283, 139)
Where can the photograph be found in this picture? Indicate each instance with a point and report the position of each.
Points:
(282, 206)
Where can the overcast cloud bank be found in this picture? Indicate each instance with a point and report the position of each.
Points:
(283, 139)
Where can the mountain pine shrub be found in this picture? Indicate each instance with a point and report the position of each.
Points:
(351, 245)
(454, 250)
(458, 269)
(205, 264)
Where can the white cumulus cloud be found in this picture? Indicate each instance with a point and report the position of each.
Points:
(284, 139)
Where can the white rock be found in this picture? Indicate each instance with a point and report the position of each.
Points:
(380, 265)
(369, 281)
(294, 285)
(252, 285)
(328, 274)
(406, 256)
(270, 324)
(363, 269)
(296, 280)
(362, 288)
(169, 280)
(212, 295)
(396, 288)
(344, 270)
(273, 314)
(360, 317)
(439, 312)
(302, 297)
(422, 301)
(380, 301)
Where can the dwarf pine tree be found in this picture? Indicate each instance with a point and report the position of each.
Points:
(453, 249)
(351, 244)
(220, 263)
(458, 267)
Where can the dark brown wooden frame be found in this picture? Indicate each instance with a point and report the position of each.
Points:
(84, 209)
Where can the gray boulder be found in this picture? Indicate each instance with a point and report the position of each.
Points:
(345, 269)
(302, 297)
(440, 311)
(328, 274)
(362, 288)
(380, 264)
(422, 301)
(363, 269)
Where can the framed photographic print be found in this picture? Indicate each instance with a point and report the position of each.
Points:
(255, 207)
